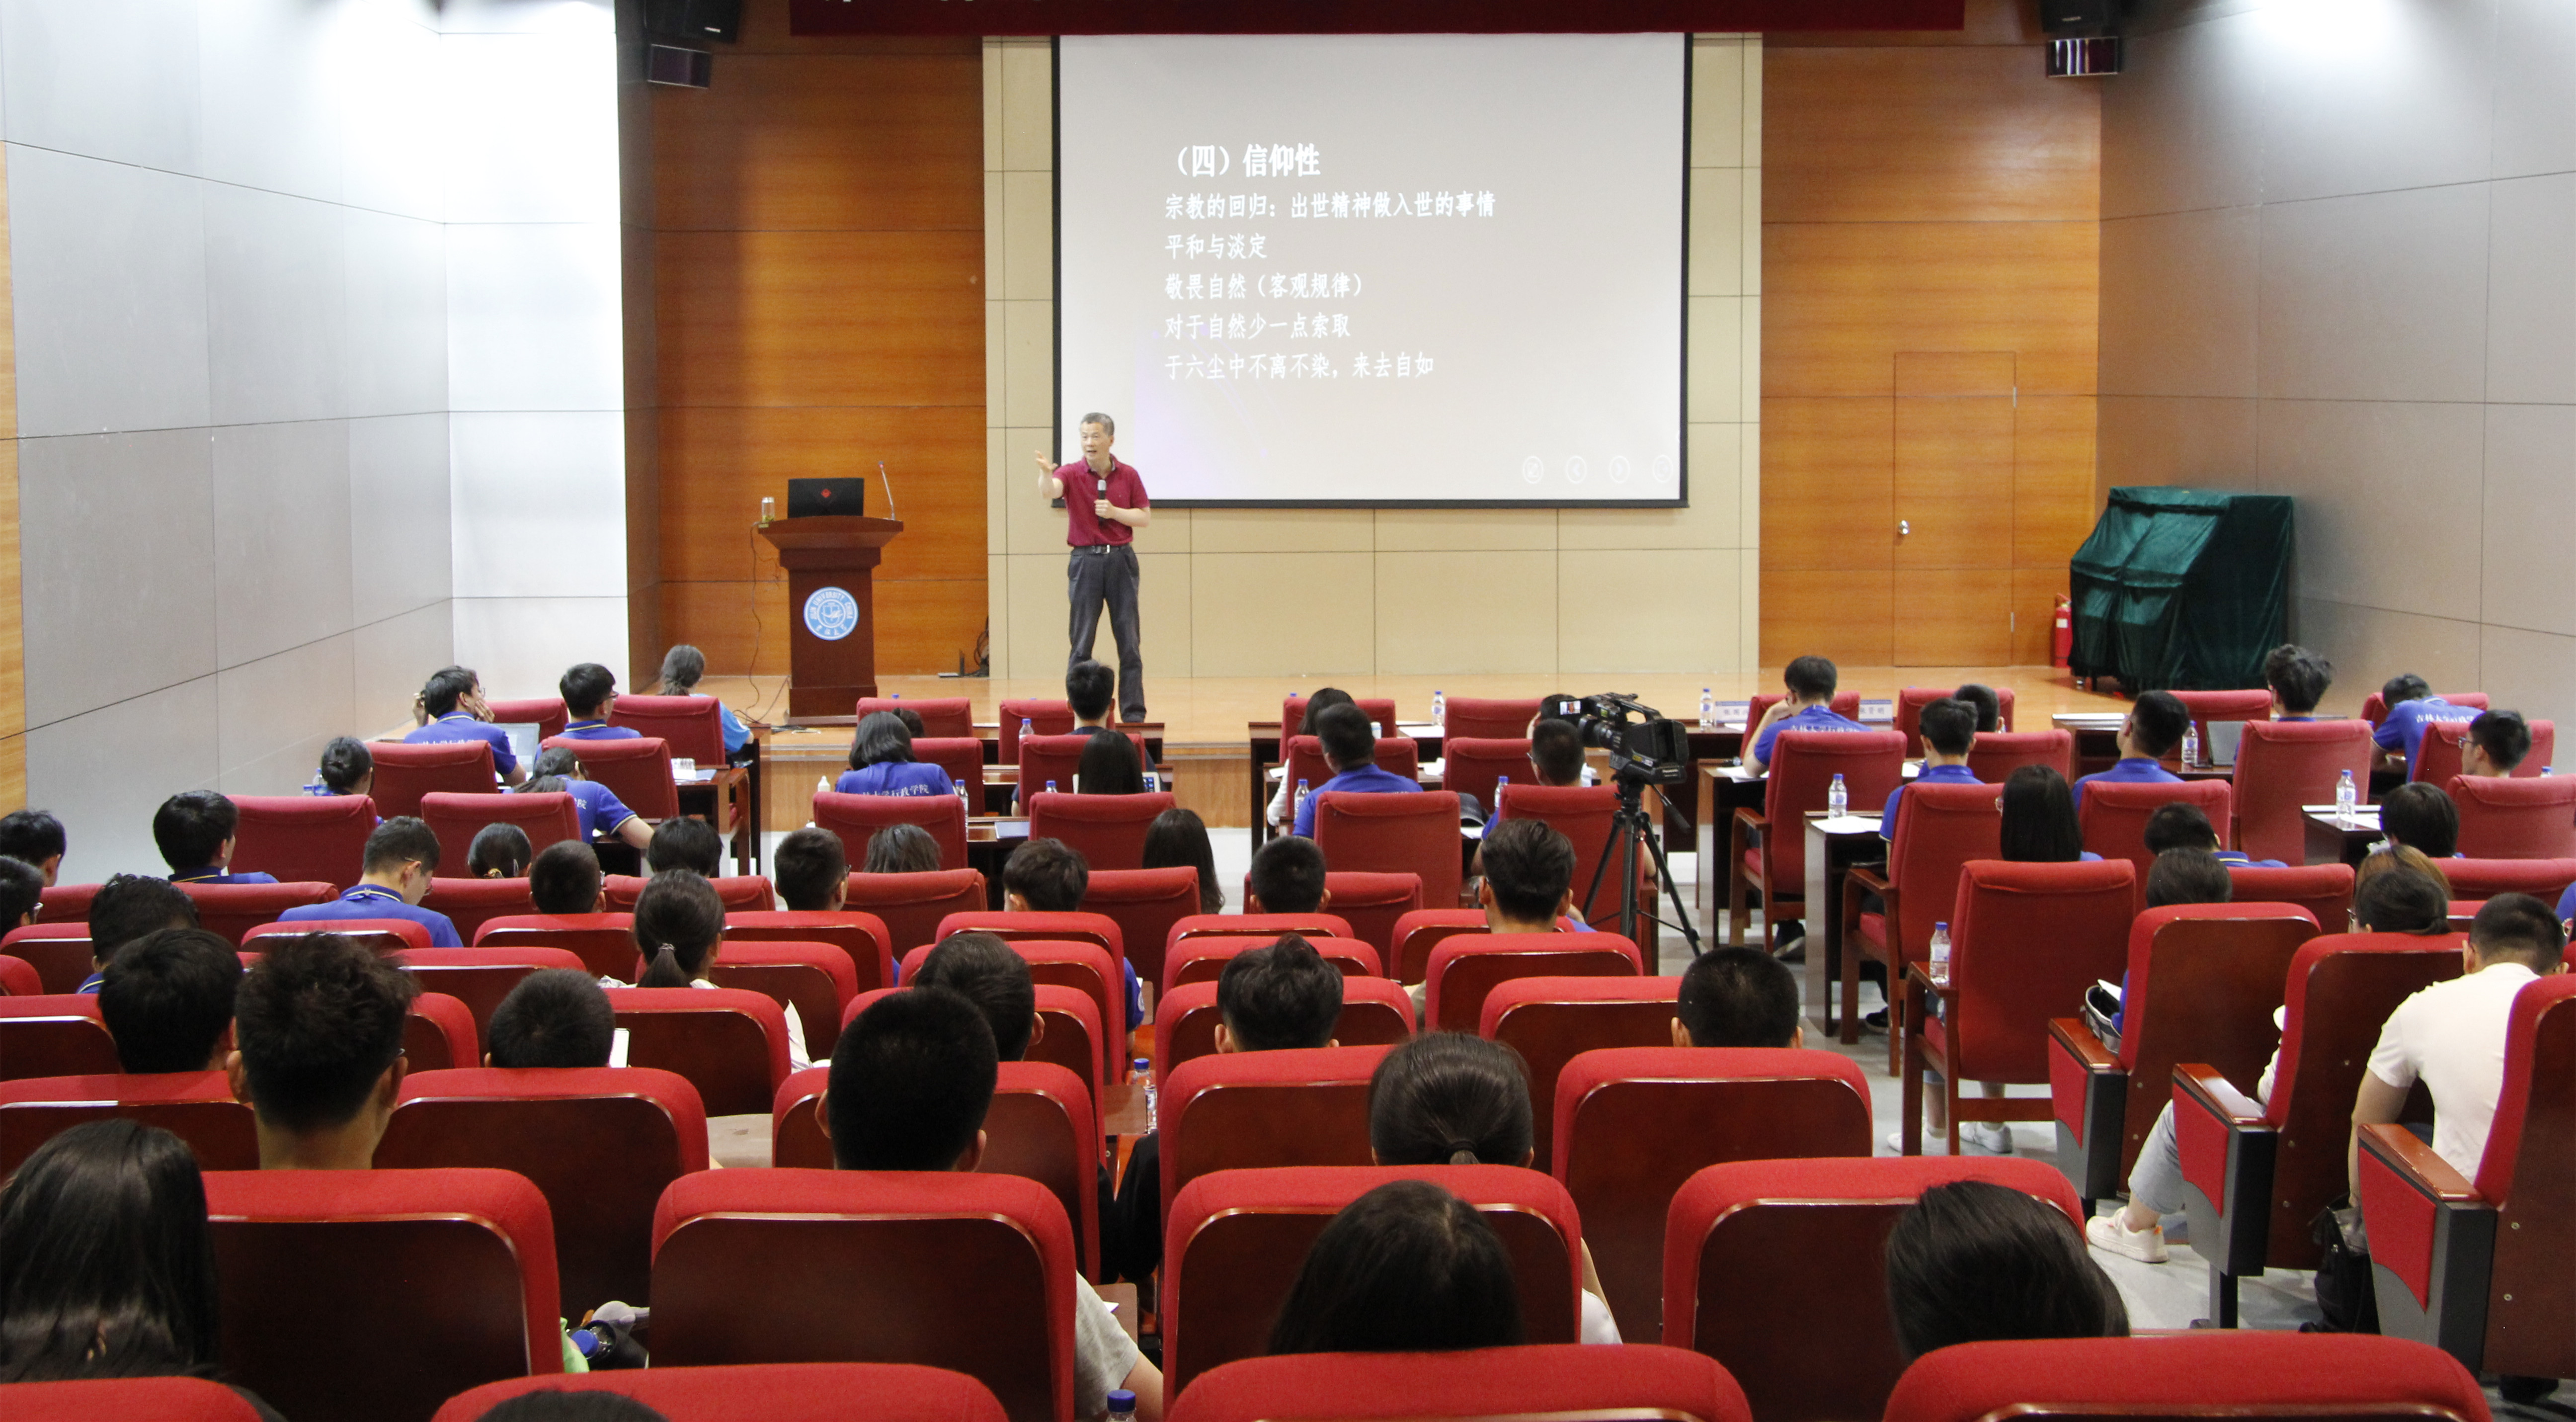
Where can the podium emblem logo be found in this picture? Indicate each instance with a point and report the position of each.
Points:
(831, 614)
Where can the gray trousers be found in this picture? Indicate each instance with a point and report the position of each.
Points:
(1108, 577)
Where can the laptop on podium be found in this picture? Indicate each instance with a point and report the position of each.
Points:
(810, 498)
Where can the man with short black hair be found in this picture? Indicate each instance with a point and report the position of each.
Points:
(1738, 997)
(1350, 747)
(2154, 727)
(22, 893)
(1090, 690)
(589, 693)
(167, 999)
(1808, 707)
(984, 970)
(1556, 751)
(318, 1031)
(2298, 679)
(1949, 729)
(34, 837)
(565, 878)
(1288, 877)
(2411, 707)
(1528, 879)
(1051, 876)
(393, 878)
(2422, 817)
(127, 907)
(451, 708)
(812, 870)
(685, 842)
(194, 832)
(2179, 824)
(556, 1017)
(2497, 742)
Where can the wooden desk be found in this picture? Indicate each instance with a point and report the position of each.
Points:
(1723, 789)
(2332, 840)
(1833, 848)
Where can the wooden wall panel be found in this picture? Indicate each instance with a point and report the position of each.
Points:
(1958, 134)
(13, 641)
(1828, 492)
(1847, 614)
(1839, 299)
(934, 456)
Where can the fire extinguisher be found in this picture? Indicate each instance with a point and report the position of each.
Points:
(2061, 640)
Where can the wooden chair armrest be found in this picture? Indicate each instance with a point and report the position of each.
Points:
(2200, 1084)
(2081, 1044)
(2414, 1162)
(1747, 821)
(1865, 877)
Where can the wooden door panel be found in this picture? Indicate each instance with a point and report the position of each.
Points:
(1952, 617)
(1954, 482)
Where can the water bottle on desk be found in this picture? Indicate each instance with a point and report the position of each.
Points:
(1122, 1406)
(1439, 708)
(964, 799)
(1837, 797)
(2190, 743)
(2347, 795)
(1707, 707)
(1941, 954)
(1143, 1067)
(1299, 808)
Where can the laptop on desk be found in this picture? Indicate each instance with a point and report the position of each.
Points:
(2224, 738)
(525, 740)
(812, 498)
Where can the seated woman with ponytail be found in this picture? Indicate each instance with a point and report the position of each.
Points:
(1447, 1098)
(679, 922)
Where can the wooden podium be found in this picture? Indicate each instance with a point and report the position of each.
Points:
(831, 608)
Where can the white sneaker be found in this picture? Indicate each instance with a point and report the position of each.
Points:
(1992, 1137)
(2147, 1246)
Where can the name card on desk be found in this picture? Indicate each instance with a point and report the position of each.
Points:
(1878, 711)
(1847, 824)
(1734, 713)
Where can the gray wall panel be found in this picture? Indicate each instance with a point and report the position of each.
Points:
(104, 772)
(276, 289)
(2378, 297)
(282, 562)
(108, 272)
(117, 551)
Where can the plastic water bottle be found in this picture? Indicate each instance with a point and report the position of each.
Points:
(1122, 1406)
(1837, 797)
(1439, 707)
(1050, 787)
(1299, 807)
(1941, 953)
(1501, 784)
(1707, 707)
(1144, 1069)
(2191, 743)
(2346, 796)
(964, 799)
(1026, 730)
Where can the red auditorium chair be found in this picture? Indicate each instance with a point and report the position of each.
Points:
(1057, 758)
(1472, 766)
(1422, 930)
(1145, 904)
(68, 903)
(1911, 700)
(912, 906)
(405, 773)
(438, 1034)
(472, 903)
(2246, 704)
(741, 1256)
(1845, 704)
(196, 1106)
(458, 1264)
(1379, 709)
(740, 893)
(1994, 755)
(814, 978)
(1803, 766)
(54, 1034)
(1204, 961)
(1391, 834)
(59, 952)
(1535, 1380)
(1375, 1012)
(547, 713)
(940, 715)
(762, 1392)
(2113, 815)
(693, 726)
(1466, 968)
(2545, 879)
(1256, 1110)
(2496, 1298)
(2284, 765)
(1237, 1239)
(730, 1044)
(2516, 819)
(1303, 759)
(1487, 718)
(1583, 815)
(303, 837)
(1372, 903)
(2437, 760)
(2026, 941)
(958, 758)
(232, 910)
(1045, 718)
(2255, 1174)
(1815, 1233)
(636, 769)
(1071, 1037)
(605, 942)
(1939, 828)
(2208, 1374)
(857, 818)
(19, 978)
(1633, 1123)
(1083, 967)
(2324, 890)
(2203, 981)
(377, 935)
(863, 936)
(1255, 925)
(160, 1399)
(1108, 831)
(1033, 925)
(1552, 1020)
(479, 977)
(600, 1142)
(547, 818)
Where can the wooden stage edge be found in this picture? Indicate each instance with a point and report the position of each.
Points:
(1204, 718)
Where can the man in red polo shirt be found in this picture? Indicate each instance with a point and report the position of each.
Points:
(1104, 505)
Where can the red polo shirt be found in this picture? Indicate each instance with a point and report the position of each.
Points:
(1126, 490)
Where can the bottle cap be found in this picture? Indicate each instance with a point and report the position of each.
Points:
(1122, 1401)
(1940, 928)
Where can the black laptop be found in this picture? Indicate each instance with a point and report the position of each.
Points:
(807, 498)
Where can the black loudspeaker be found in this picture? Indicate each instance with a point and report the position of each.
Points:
(2078, 17)
(681, 68)
(696, 20)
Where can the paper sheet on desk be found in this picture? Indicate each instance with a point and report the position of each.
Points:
(1847, 824)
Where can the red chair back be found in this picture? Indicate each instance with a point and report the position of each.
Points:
(472, 903)
(406, 772)
(636, 769)
(196, 1106)
(162, 1399)
(1375, 1013)
(479, 977)
(1303, 757)
(1939, 828)
(1204, 961)
(1802, 769)
(2544, 879)
(1543, 1380)
(1045, 718)
(1258, 1110)
(739, 1256)
(59, 952)
(940, 715)
(2247, 704)
(2283, 765)
(1486, 718)
(1551, 1021)
(1467, 968)
(2529, 1174)
(1057, 758)
(857, 818)
(1254, 925)
(2324, 890)
(1741, 1220)
(235, 909)
(2374, 707)
(740, 893)
(303, 837)
(1994, 755)
(1392, 834)
(1238, 1239)
(764, 1392)
(1583, 815)
(1108, 831)
(1911, 700)
(55, 1034)
(2218, 1373)
(1633, 1123)
(68, 903)
(1419, 932)
(1473, 766)
(692, 726)
(2113, 815)
(1845, 704)
(2026, 941)
(958, 758)
(548, 818)
(599, 1142)
(2516, 819)
(730, 1044)
(1373, 903)
(912, 905)
(19, 978)
(1379, 709)
(1086, 968)
(2437, 760)
(547, 713)
(1075, 927)
(814, 978)
(377, 935)
(458, 1263)
(438, 1034)
(605, 942)
(1145, 904)
(863, 936)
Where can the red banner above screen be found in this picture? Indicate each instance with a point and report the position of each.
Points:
(1209, 17)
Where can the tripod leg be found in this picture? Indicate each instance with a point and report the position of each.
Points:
(1610, 841)
(1664, 874)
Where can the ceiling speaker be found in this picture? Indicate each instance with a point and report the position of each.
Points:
(2061, 18)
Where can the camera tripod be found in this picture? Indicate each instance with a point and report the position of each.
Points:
(1631, 826)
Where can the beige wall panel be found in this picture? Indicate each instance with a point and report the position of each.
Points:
(1036, 616)
(1690, 625)
(997, 590)
(1717, 232)
(1028, 107)
(1280, 530)
(1283, 614)
(1715, 518)
(997, 513)
(2155, 439)
(1034, 526)
(1168, 533)
(1163, 616)
(1428, 530)
(1028, 362)
(1751, 242)
(993, 105)
(996, 216)
(1482, 611)
(1028, 236)
(2371, 644)
(1715, 390)
(1717, 103)
(997, 385)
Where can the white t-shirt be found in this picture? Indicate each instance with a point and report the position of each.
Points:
(1598, 1325)
(2451, 1036)
(1103, 1354)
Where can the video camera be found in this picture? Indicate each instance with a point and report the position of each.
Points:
(1645, 748)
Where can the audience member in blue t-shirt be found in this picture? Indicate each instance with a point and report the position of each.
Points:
(2155, 726)
(451, 708)
(881, 762)
(2497, 744)
(589, 694)
(683, 667)
(2412, 706)
(1808, 707)
(2298, 679)
(194, 831)
(393, 878)
(1949, 729)
(1525, 881)
(2181, 825)
(1051, 876)
(2039, 819)
(603, 816)
(347, 768)
(127, 907)
(1349, 744)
